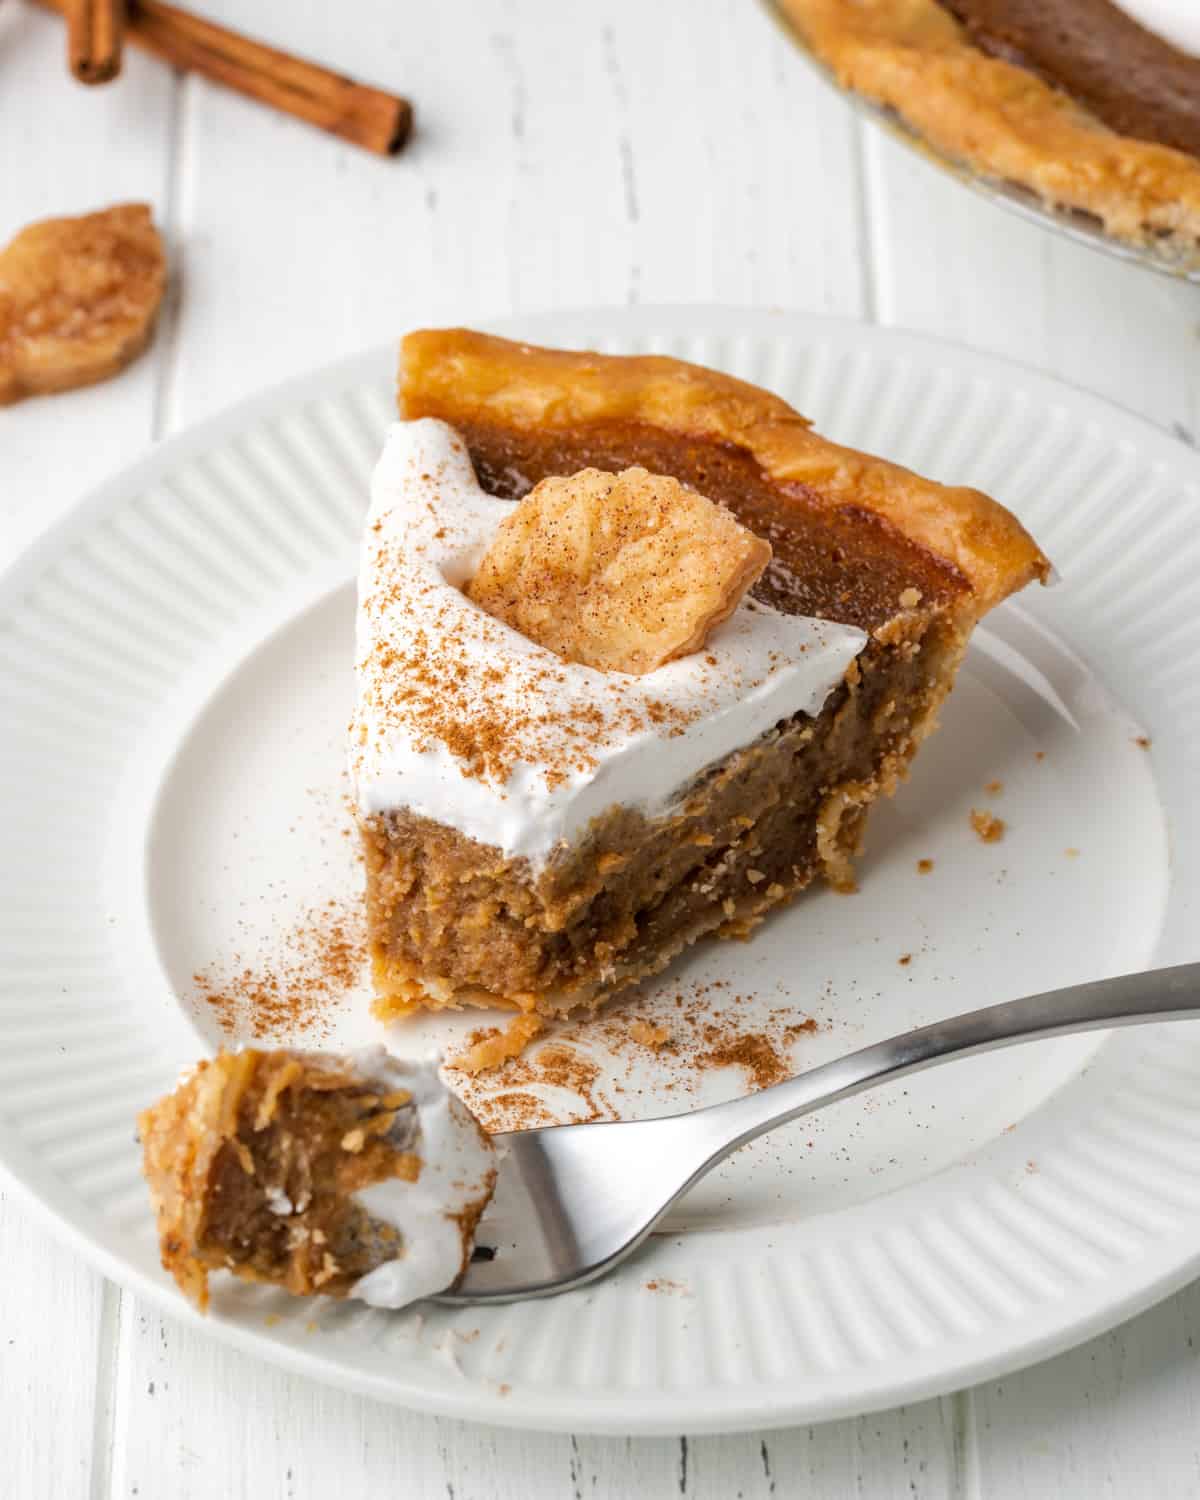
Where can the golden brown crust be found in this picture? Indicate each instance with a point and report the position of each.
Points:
(78, 299)
(495, 1048)
(456, 373)
(1004, 121)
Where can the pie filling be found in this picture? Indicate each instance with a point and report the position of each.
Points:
(356, 1176)
(454, 922)
(1136, 82)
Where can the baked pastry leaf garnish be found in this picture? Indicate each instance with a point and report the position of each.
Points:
(617, 571)
(78, 299)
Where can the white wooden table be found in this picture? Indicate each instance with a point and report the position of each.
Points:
(622, 152)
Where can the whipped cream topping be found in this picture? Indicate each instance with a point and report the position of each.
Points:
(1176, 21)
(457, 1166)
(464, 720)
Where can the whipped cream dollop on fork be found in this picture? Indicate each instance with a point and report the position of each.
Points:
(429, 1214)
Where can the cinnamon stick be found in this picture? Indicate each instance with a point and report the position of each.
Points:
(95, 33)
(365, 116)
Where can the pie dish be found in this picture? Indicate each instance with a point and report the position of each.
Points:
(1075, 102)
(538, 834)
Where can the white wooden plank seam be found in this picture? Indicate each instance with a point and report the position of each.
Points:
(175, 214)
(870, 239)
(108, 1356)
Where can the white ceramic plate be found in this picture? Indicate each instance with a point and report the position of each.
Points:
(175, 669)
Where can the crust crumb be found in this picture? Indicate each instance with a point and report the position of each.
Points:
(495, 1047)
(649, 1034)
(924, 866)
(989, 828)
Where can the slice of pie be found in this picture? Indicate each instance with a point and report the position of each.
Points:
(1072, 99)
(357, 1176)
(579, 745)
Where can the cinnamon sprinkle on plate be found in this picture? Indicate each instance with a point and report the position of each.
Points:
(294, 995)
(756, 1053)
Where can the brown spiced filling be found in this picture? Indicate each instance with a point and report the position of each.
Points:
(252, 1163)
(456, 921)
(1133, 80)
(834, 564)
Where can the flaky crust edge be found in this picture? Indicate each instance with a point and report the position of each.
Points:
(476, 375)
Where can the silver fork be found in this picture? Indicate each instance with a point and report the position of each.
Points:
(572, 1201)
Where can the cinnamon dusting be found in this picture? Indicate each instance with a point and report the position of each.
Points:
(320, 961)
(706, 1028)
(755, 1053)
(436, 673)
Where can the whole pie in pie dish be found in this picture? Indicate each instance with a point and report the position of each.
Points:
(1073, 100)
(356, 1176)
(579, 743)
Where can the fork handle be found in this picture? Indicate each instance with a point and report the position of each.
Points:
(1129, 1000)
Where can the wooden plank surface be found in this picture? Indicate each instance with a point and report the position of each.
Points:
(621, 153)
(633, 121)
(285, 1435)
(1117, 1417)
(65, 149)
